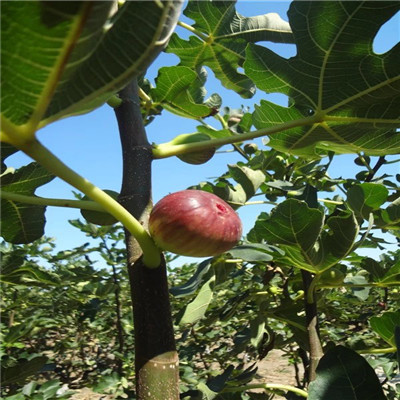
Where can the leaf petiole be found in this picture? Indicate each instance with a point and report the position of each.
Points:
(195, 31)
(45, 201)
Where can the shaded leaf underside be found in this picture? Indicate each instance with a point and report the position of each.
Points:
(71, 56)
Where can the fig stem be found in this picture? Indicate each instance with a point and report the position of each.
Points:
(34, 149)
(46, 201)
(165, 150)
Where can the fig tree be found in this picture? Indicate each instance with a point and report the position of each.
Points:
(195, 157)
(194, 223)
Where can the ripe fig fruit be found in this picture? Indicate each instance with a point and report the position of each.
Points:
(194, 223)
(98, 217)
(196, 157)
(332, 276)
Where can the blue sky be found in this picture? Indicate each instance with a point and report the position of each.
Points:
(90, 143)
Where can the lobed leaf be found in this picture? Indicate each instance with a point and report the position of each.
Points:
(223, 36)
(353, 92)
(298, 229)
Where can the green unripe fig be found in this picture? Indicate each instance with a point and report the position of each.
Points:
(330, 188)
(275, 290)
(195, 157)
(250, 148)
(332, 276)
(98, 217)
(359, 161)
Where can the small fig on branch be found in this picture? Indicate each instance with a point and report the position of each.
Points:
(332, 276)
(194, 223)
(195, 157)
(98, 217)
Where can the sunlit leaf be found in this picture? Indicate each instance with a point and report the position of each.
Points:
(250, 180)
(298, 229)
(253, 252)
(336, 76)
(223, 37)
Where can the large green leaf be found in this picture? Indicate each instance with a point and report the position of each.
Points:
(345, 375)
(71, 56)
(46, 34)
(139, 31)
(222, 36)
(299, 230)
(385, 326)
(353, 93)
(21, 222)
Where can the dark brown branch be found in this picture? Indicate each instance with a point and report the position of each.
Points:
(379, 163)
(156, 359)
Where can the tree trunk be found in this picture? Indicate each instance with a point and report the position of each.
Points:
(314, 340)
(156, 358)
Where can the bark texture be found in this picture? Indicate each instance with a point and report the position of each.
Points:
(156, 358)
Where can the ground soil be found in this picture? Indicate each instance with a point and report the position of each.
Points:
(275, 368)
